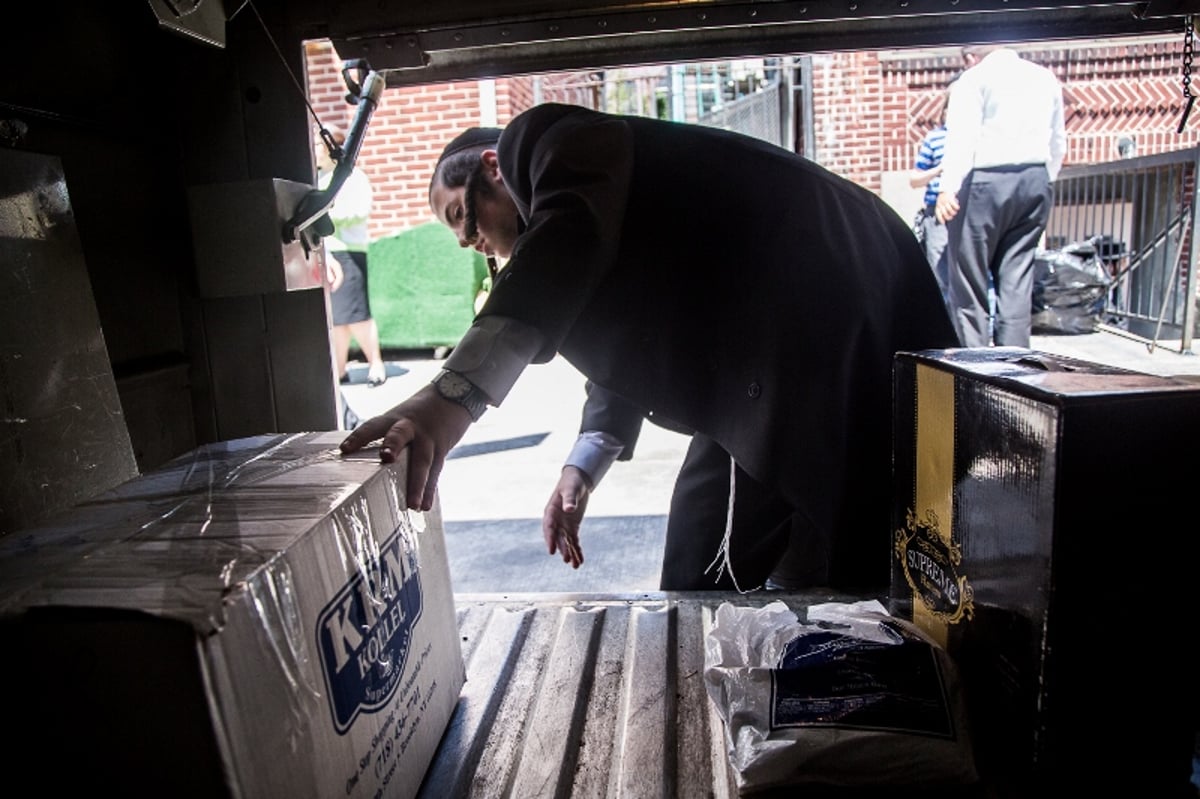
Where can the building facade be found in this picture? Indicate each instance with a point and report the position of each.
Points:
(864, 112)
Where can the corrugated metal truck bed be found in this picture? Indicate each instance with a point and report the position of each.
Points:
(580, 695)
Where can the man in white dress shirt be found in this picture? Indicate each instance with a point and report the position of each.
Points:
(1005, 144)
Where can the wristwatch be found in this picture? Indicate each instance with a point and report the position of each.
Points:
(456, 388)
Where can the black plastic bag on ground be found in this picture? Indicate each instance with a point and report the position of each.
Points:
(1070, 286)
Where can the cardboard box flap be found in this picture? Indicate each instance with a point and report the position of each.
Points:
(1043, 375)
(181, 540)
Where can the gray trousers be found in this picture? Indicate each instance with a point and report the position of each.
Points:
(935, 249)
(1003, 212)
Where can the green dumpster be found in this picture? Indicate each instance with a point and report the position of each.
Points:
(423, 287)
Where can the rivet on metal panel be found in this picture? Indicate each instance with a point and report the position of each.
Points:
(553, 28)
(702, 16)
(602, 23)
(458, 37)
(504, 32)
(752, 13)
(652, 19)
(411, 42)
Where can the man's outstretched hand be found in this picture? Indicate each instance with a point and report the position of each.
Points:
(563, 514)
(429, 426)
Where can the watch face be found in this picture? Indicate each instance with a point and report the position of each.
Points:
(453, 386)
(456, 388)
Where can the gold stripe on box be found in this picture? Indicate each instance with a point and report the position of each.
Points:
(935, 470)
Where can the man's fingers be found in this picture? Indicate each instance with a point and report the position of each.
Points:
(435, 472)
(561, 535)
(946, 208)
(550, 528)
(562, 515)
(572, 552)
(365, 433)
(420, 462)
(565, 539)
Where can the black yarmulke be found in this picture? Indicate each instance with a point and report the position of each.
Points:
(471, 137)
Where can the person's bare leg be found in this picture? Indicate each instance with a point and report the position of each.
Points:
(341, 348)
(367, 335)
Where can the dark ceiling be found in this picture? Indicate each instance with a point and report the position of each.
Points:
(414, 42)
(437, 41)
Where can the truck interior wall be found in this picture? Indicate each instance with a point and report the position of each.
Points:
(97, 99)
(136, 114)
(90, 88)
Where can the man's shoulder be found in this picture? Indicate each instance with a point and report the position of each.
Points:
(547, 113)
(1005, 68)
(1012, 60)
(531, 124)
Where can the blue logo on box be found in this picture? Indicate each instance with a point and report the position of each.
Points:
(364, 633)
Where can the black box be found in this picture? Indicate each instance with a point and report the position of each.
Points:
(1045, 532)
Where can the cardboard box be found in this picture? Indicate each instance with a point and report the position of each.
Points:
(1043, 534)
(260, 618)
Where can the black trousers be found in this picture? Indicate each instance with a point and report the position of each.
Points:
(769, 542)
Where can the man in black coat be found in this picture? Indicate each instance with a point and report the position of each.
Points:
(714, 280)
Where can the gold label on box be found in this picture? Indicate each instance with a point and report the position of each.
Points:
(931, 565)
(924, 548)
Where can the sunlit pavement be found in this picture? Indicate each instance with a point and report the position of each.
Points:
(497, 480)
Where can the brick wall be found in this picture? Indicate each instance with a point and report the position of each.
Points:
(870, 110)
(407, 131)
(1111, 91)
(850, 119)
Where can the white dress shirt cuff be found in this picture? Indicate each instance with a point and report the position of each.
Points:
(593, 453)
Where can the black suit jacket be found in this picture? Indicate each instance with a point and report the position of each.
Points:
(729, 285)
(614, 415)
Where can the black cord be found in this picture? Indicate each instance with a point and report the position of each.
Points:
(1188, 99)
(292, 75)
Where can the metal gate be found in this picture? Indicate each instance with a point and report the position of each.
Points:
(1143, 211)
(756, 115)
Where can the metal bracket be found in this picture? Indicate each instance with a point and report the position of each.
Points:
(317, 202)
(202, 20)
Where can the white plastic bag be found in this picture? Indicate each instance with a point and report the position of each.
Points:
(851, 697)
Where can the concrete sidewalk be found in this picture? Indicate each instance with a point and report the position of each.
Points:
(1118, 349)
(497, 480)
